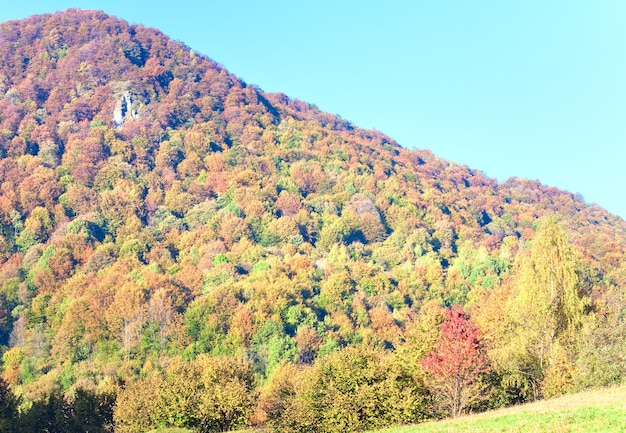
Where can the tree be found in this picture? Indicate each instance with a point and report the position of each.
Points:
(601, 358)
(457, 363)
(136, 405)
(543, 313)
(92, 412)
(208, 394)
(8, 407)
(86, 411)
(227, 400)
(352, 390)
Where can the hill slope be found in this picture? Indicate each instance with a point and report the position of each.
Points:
(600, 410)
(154, 206)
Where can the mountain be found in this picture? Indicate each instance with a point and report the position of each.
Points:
(161, 219)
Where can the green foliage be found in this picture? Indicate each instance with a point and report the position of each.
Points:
(8, 408)
(207, 394)
(542, 317)
(351, 390)
(220, 258)
(82, 411)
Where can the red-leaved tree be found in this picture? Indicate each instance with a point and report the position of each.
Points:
(454, 369)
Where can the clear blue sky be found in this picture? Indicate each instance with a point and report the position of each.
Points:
(533, 88)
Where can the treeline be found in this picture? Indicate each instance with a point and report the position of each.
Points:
(215, 231)
(84, 411)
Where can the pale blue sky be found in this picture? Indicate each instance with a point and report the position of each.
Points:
(534, 89)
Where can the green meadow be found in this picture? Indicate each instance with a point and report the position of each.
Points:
(592, 411)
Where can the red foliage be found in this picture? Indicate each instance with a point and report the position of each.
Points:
(288, 204)
(457, 362)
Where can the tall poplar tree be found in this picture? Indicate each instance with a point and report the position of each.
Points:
(543, 311)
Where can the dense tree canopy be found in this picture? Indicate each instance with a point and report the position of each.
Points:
(159, 216)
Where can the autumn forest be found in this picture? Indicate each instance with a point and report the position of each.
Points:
(181, 249)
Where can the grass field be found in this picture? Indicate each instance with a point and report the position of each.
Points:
(171, 430)
(182, 430)
(593, 411)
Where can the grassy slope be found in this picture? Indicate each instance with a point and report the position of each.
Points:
(171, 430)
(591, 411)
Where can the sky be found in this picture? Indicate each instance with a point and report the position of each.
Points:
(534, 89)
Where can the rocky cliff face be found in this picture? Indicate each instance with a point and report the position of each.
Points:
(124, 109)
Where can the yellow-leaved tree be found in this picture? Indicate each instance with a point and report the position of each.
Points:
(533, 347)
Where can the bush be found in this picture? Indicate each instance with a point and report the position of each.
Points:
(208, 394)
(356, 389)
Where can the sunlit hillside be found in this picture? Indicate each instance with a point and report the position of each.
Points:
(181, 249)
(603, 410)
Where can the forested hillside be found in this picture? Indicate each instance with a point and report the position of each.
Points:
(179, 248)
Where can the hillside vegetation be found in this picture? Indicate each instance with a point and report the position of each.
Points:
(181, 249)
